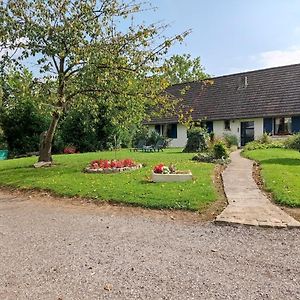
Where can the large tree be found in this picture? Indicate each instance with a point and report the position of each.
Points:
(183, 68)
(89, 52)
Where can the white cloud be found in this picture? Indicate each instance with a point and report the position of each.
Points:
(279, 57)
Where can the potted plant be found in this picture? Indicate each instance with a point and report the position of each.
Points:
(163, 173)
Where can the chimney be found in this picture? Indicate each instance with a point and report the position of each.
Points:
(242, 82)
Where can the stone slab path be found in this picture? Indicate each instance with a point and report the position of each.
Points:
(246, 202)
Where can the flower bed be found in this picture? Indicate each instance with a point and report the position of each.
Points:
(162, 173)
(111, 166)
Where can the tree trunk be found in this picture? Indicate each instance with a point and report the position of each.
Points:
(47, 139)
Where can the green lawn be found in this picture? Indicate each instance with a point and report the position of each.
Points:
(66, 178)
(281, 173)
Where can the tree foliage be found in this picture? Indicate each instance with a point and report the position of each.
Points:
(22, 118)
(90, 53)
(182, 68)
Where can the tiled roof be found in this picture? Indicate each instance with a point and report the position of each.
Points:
(269, 92)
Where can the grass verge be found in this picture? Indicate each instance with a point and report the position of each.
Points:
(280, 171)
(134, 188)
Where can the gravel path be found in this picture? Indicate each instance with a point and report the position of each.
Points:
(55, 251)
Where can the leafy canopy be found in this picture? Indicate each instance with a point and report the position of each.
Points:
(90, 52)
(182, 68)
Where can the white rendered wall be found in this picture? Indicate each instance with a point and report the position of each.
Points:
(181, 136)
(235, 126)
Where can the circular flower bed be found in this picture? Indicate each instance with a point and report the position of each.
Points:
(111, 166)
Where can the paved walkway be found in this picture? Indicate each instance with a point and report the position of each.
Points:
(246, 202)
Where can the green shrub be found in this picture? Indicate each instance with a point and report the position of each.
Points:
(265, 139)
(255, 145)
(90, 132)
(220, 151)
(142, 134)
(212, 137)
(79, 129)
(151, 137)
(231, 140)
(197, 140)
(58, 144)
(3, 143)
(293, 142)
(209, 157)
(22, 127)
(204, 157)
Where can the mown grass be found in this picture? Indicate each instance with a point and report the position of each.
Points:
(67, 179)
(281, 173)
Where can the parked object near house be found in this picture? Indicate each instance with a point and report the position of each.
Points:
(246, 105)
(140, 146)
(3, 154)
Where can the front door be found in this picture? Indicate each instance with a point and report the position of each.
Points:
(247, 132)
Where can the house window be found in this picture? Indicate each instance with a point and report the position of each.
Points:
(172, 131)
(283, 126)
(157, 128)
(206, 124)
(227, 124)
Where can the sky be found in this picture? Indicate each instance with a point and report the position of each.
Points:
(233, 36)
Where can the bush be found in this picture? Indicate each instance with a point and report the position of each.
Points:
(220, 151)
(293, 142)
(153, 138)
(204, 157)
(142, 134)
(150, 137)
(217, 153)
(265, 139)
(78, 129)
(256, 145)
(22, 127)
(231, 140)
(197, 140)
(3, 143)
(209, 157)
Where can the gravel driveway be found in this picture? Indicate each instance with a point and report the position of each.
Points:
(50, 250)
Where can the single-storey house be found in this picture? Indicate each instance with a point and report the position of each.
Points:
(245, 104)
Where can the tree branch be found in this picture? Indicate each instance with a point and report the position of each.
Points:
(112, 92)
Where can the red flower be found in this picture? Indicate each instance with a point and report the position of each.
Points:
(69, 150)
(128, 162)
(158, 168)
(113, 164)
(106, 164)
(95, 165)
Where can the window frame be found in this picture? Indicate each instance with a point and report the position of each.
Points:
(287, 126)
(227, 125)
(171, 130)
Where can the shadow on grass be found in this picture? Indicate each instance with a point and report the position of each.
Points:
(282, 161)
